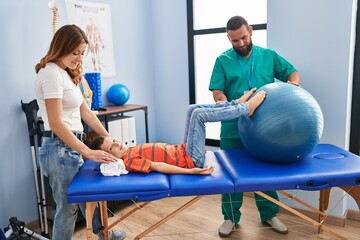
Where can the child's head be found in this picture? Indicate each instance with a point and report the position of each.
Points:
(110, 145)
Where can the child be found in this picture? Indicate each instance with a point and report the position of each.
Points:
(186, 158)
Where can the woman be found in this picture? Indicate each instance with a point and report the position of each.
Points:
(62, 108)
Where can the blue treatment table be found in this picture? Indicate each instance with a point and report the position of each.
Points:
(235, 171)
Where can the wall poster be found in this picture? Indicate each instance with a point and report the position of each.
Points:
(95, 20)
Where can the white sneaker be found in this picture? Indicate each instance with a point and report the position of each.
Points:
(115, 235)
(226, 228)
(277, 225)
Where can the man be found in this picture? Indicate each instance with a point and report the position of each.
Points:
(235, 72)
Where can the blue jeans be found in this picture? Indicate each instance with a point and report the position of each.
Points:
(196, 117)
(60, 163)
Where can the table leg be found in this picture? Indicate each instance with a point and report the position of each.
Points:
(146, 125)
(354, 192)
(104, 219)
(323, 205)
(90, 208)
(280, 204)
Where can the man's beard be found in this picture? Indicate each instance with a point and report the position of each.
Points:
(246, 51)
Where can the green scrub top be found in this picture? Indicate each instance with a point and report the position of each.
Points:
(234, 75)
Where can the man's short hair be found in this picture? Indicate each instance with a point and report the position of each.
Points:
(235, 23)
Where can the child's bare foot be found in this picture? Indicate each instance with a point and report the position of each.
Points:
(246, 96)
(256, 101)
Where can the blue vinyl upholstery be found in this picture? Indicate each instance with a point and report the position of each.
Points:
(326, 166)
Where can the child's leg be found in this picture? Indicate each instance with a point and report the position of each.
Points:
(195, 143)
(218, 112)
(190, 110)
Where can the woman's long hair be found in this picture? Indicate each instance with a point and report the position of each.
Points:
(64, 42)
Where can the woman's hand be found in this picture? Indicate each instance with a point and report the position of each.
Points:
(100, 156)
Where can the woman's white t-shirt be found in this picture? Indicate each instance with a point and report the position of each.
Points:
(54, 82)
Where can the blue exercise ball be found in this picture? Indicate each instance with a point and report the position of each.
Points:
(118, 94)
(286, 127)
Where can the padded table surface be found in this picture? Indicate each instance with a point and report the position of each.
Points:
(326, 166)
(235, 171)
(90, 185)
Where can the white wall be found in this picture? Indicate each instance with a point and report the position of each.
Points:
(170, 56)
(318, 38)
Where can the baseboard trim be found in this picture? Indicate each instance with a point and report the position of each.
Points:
(353, 215)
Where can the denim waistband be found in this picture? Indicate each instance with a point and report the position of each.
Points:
(80, 135)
